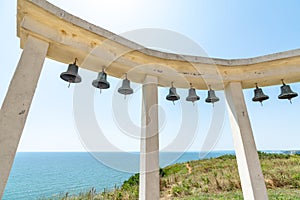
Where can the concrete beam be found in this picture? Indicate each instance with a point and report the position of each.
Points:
(252, 180)
(17, 103)
(70, 37)
(149, 149)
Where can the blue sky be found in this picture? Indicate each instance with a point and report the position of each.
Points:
(224, 29)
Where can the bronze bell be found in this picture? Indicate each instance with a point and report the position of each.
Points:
(211, 98)
(71, 75)
(192, 95)
(125, 88)
(101, 81)
(259, 95)
(172, 96)
(286, 92)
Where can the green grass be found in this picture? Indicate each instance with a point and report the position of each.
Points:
(215, 178)
(278, 194)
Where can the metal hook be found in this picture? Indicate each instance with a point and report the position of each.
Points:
(75, 61)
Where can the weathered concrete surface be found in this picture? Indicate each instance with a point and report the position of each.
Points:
(252, 180)
(17, 102)
(71, 37)
(149, 149)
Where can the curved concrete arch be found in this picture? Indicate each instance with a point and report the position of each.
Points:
(47, 31)
(69, 37)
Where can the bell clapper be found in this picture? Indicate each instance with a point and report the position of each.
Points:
(173, 103)
(69, 85)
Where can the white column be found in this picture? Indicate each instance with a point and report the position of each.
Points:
(252, 180)
(149, 150)
(17, 102)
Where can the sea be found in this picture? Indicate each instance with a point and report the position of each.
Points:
(43, 175)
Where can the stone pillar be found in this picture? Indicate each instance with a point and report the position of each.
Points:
(17, 102)
(252, 180)
(149, 149)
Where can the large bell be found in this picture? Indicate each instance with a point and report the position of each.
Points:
(101, 81)
(259, 95)
(125, 88)
(211, 98)
(71, 75)
(192, 95)
(172, 96)
(286, 92)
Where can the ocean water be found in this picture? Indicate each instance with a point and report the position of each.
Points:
(40, 175)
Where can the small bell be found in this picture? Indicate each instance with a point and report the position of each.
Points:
(172, 96)
(71, 75)
(101, 81)
(125, 88)
(286, 92)
(211, 98)
(192, 95)
(259, 95)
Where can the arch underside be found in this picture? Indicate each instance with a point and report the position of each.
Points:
(70, 37)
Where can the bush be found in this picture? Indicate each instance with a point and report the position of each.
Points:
(132, 181)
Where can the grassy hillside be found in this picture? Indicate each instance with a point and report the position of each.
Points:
(215, 178)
